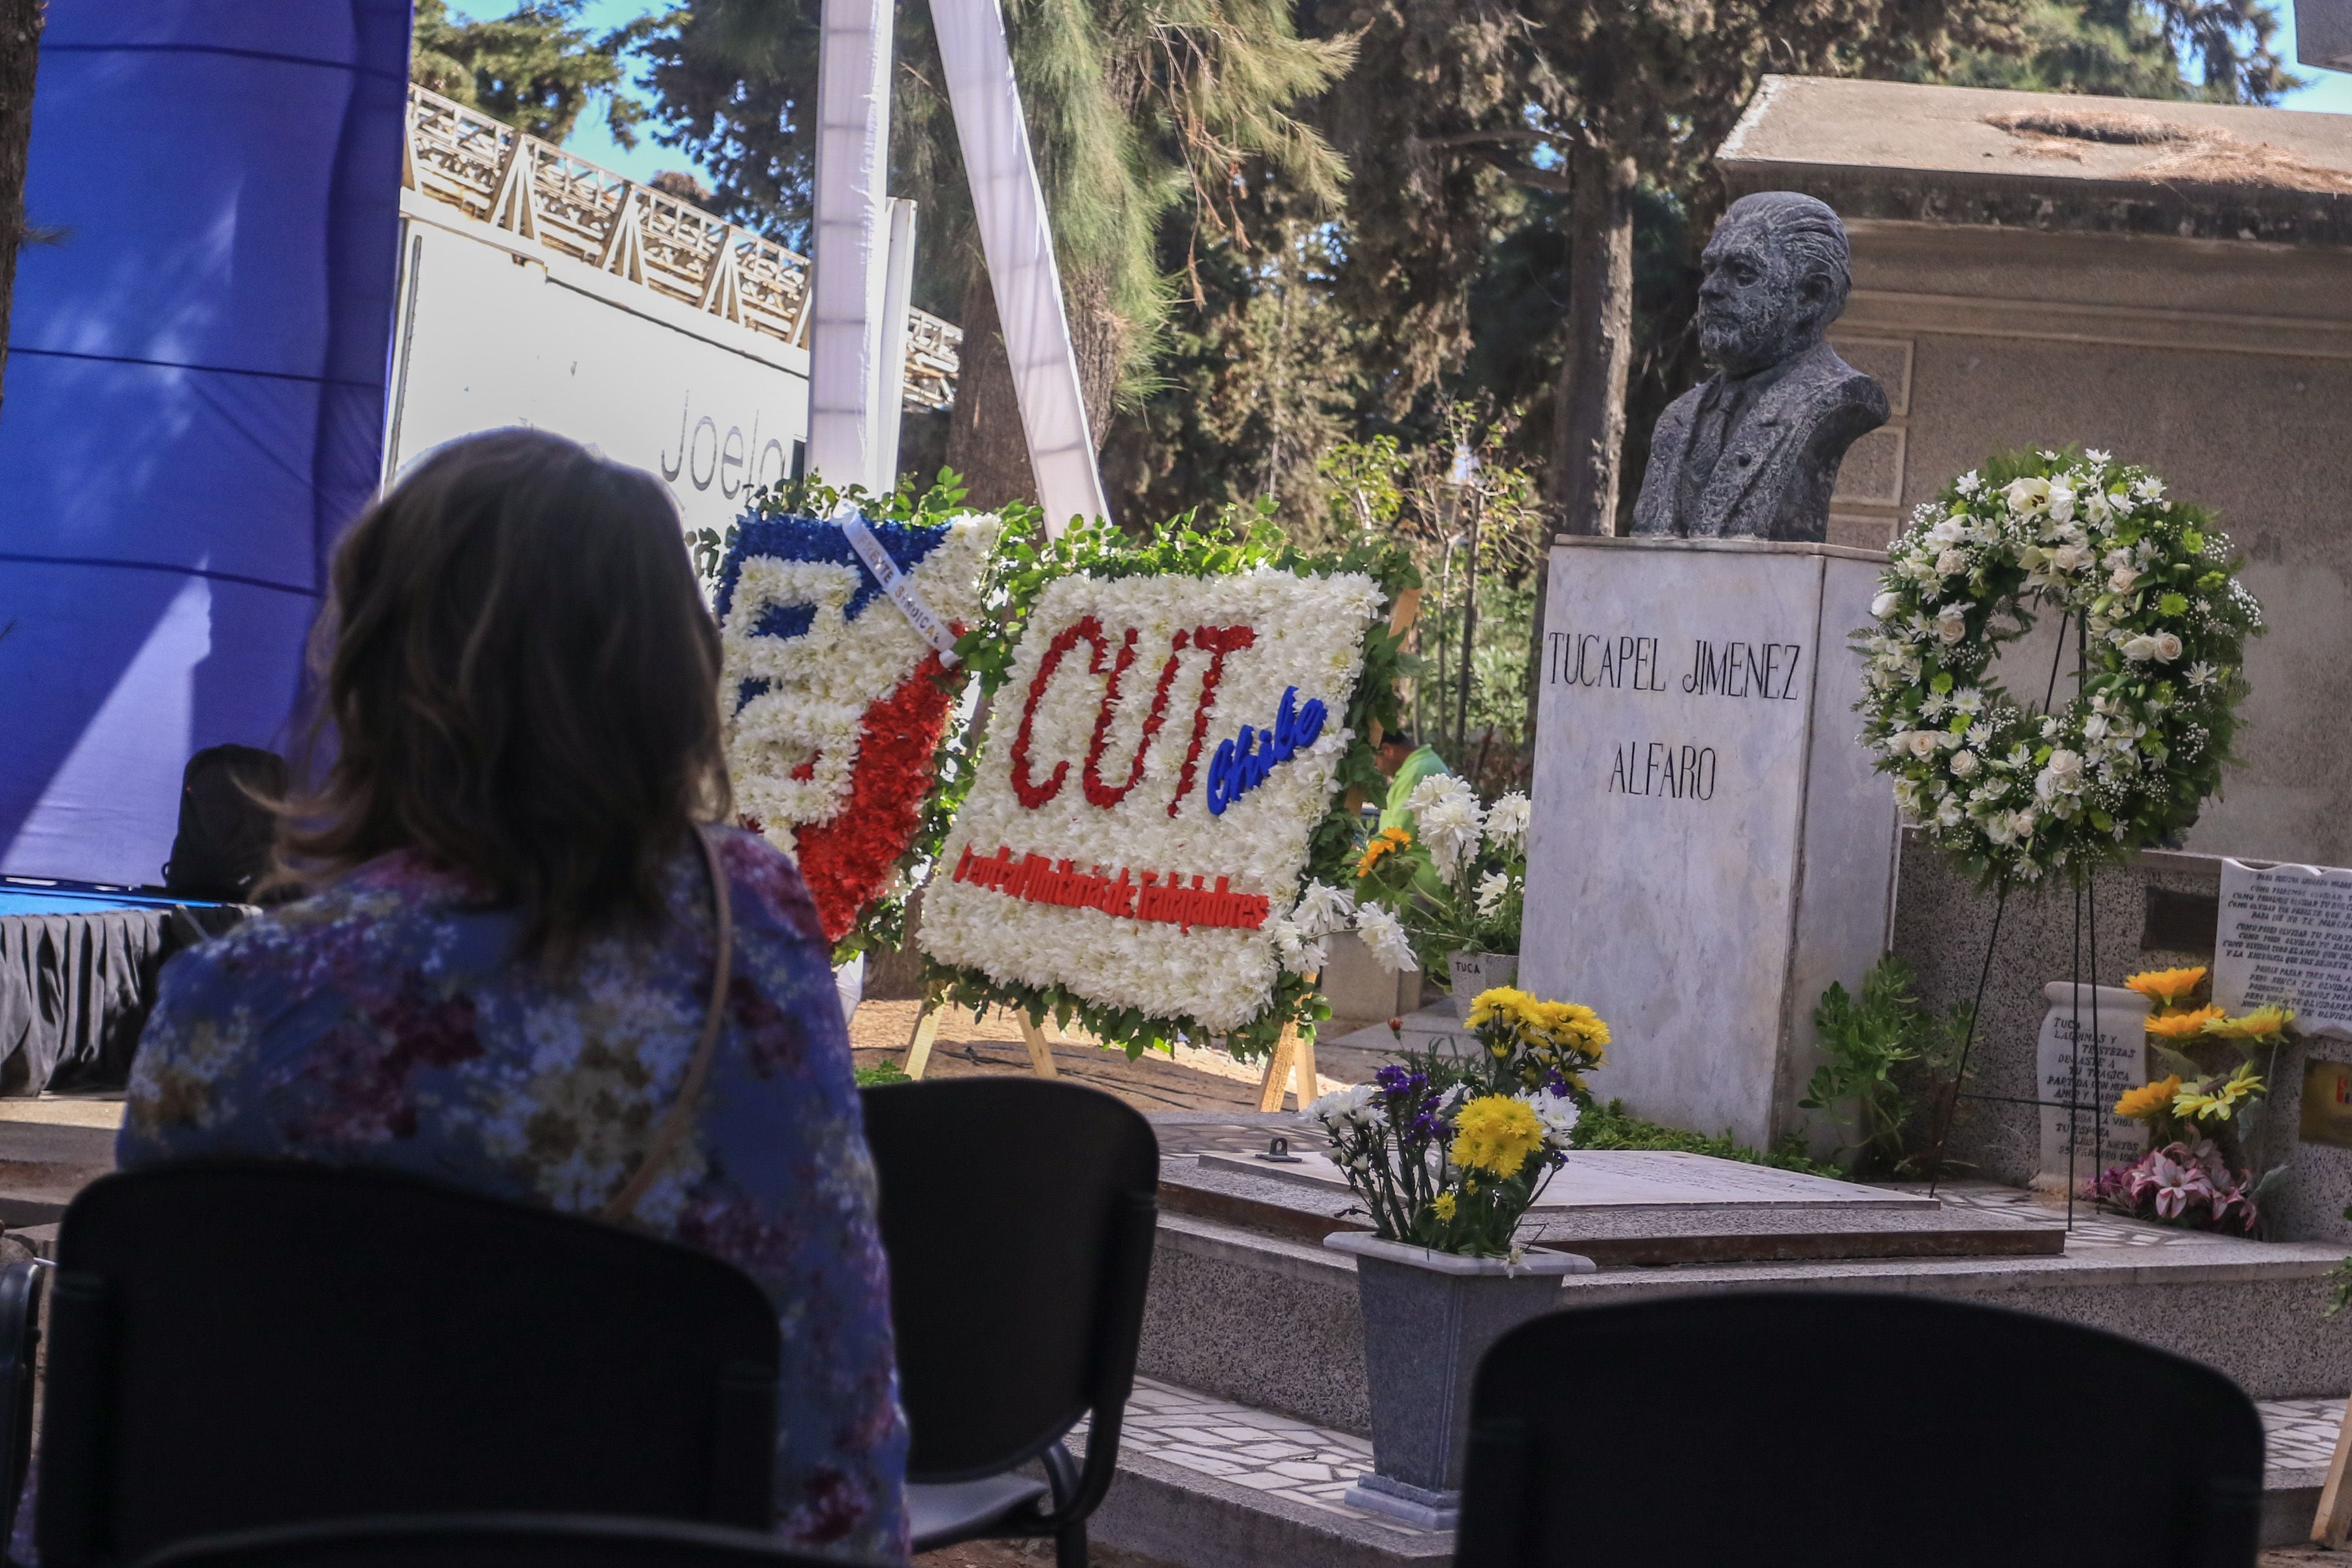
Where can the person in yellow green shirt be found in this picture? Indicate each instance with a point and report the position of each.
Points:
(1406, 765)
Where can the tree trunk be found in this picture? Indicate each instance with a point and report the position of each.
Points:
(20, 46)
(986, 442)
(1588, 446)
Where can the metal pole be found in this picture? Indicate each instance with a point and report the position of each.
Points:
(1469, 637)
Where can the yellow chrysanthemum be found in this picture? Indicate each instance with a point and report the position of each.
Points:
(2180, 1026)
(1496, 1133)
(2216, 1104)
(1500, 1002)
(2167, 986)
(1573, 1023)
(2148, 1099)
(1444, 1204)
(2262, 1024)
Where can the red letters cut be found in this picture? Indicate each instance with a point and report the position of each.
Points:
(1099, 793)
(1031, 794)
(1219, 641)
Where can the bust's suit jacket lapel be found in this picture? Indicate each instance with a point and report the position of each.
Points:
(1748, 450)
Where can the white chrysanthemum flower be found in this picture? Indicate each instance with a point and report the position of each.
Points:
(1507, 819)
(1446, 812)
(1386, 938)
(1323, 908)
(1358, 1105)
(1493, 888)
(1557, 1112)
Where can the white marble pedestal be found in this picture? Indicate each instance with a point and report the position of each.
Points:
(1711, 847)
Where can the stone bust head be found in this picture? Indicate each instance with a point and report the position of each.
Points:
(1753, 451)
(1774, 278)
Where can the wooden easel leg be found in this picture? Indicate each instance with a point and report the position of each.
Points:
(918, 1044)
(2334, 1521)
(1041, 1055)
(1308, 1083)
(1278, 1068)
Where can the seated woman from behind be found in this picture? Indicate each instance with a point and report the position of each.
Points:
(505, 973)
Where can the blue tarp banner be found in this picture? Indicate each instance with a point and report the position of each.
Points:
(194, 395)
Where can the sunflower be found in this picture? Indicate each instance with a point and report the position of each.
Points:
(2262, 1024)
(2166, 987)
(2180, 1026)
(1387, 841)
(2148, 1100)
(2215, 1104)
(1496, 1133)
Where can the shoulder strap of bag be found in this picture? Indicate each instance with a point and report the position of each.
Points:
(681, 1116)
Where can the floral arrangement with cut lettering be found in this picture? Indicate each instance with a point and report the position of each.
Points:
(2203, 1113)
(1459, 883)
(836, 707)
(2159, 622)
(1451, 1152)
(1159, 800)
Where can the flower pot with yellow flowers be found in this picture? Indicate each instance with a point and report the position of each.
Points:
(2202, 1109)
(1447, 1154)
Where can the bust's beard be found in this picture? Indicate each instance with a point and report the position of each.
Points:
(1740, 348)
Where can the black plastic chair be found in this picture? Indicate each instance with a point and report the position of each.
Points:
(1804, 1428)
(490, 1541)
(236, 1346)
(1019, 1217)
(21, 1285)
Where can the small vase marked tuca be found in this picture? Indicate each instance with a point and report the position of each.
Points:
(1473, 973)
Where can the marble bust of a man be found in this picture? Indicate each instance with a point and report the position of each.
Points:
(1753, 451)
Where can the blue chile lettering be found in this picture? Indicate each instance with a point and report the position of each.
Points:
(1240, 765)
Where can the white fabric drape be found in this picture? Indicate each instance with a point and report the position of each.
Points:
(1018, 245)
(850, 258)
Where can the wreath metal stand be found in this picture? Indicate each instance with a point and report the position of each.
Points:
(2086, 909)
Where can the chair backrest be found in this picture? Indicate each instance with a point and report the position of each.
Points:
(490, 1540)
(234, 1346)
(1018, 1216)
(1864, 1429)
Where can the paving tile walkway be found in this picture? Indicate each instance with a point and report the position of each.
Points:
(1281, 1455)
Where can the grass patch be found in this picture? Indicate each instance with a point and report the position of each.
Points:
(886, 1072)
(1612, 1126)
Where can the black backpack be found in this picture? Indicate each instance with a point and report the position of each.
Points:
(224, 843)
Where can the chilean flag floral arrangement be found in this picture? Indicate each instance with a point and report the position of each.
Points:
(1156, 832)
(837, 701)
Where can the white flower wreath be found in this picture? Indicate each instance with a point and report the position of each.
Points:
(2161, 621)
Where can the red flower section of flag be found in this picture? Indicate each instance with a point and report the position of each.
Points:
(846, 862)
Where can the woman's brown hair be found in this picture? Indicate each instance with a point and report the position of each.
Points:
(521, 682)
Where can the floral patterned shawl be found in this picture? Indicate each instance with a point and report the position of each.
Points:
(381, 1024)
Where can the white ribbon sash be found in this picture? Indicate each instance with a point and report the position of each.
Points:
(898, 586)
